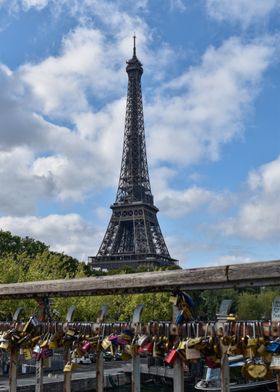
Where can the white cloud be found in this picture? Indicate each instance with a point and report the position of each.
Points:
(90, 66)
(20, 190)
(20, 126)
(38, 4)
(179, 5)
(64, 233)
(186, 200)
(15, 6)
(87, 65)
(197, 113)
(245, 12)
(259, 216)
(266, 178)
(49, 160)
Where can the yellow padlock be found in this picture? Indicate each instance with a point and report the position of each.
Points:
(27, 353)
(53, 344)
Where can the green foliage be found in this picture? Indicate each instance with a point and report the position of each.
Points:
(51, 265)
(121, 307)
(15, 245)
(208, 302)
(256, 306)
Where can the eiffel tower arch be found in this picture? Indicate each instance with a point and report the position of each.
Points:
(133, 237)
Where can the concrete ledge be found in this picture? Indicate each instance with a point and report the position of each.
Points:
(81, 382)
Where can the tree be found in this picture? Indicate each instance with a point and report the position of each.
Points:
(256, 306)
(15, 245)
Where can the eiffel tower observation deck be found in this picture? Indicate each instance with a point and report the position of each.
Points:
(133, 237)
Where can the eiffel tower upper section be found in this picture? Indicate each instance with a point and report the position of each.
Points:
(133, 237)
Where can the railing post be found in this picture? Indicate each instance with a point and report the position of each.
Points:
(13, 370)
(222, 318)
(178, 367)
(178, 376)
(99, 354)
(44, 310)
(224, 373)
(67, 354)
(14, 358)
(39, 376)
(136, 371)
(278, 381)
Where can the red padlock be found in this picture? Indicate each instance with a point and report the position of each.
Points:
(171, 356)
(86, 346)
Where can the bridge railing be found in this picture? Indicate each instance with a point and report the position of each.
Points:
(244, 275)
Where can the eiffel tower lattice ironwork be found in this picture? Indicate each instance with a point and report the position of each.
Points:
(133, 237)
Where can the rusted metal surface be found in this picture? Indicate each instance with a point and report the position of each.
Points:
(13, 371)
(267, 328)
(239, 275)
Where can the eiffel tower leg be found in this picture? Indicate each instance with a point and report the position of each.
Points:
(108, 241)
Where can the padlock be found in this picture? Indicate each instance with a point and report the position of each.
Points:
(191, 352)
(106, 343)
(132, 350)
(69, 367)
(4, 344)
(159, 348)
(142, 339)
(27, 353)
(250, 349)
(35, 339)
(87, 346)
(273, 347)
(181, 350)
(36, 349)
(113, 339)
(70, 332)
(23, 340)
(53, 344)
(275, 362)
(212, 362)
(45, 341)
(46, 353)
(146, 348)
(122, 341)
(171, 356)
(255, 369)
(32, 323)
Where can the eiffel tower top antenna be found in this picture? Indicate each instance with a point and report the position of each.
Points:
(134, 45)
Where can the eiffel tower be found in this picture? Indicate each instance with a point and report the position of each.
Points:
(133, 237)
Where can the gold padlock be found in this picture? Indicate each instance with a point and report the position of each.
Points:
(106, 343)
(69, 367)
(53, 344)
(27, 353)
(4, 345)
(70, 332)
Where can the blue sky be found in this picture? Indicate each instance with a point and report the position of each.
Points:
(211, 91)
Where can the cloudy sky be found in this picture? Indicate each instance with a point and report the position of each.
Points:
(211, 91)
